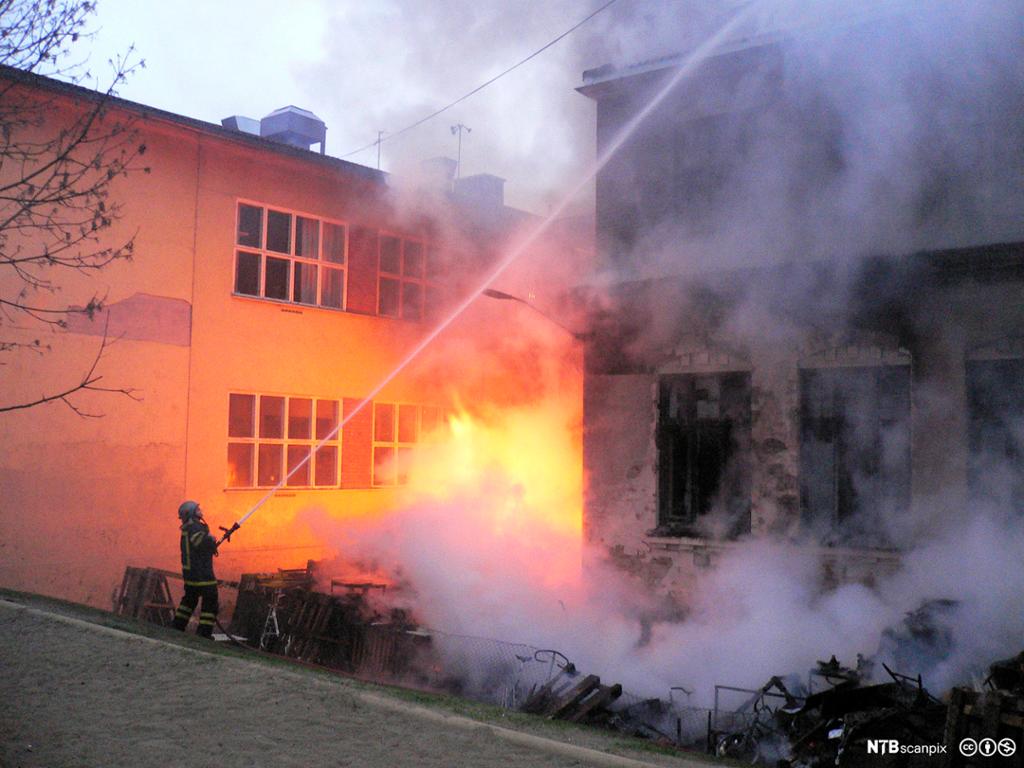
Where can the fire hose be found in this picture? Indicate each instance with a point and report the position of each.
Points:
(684, 69)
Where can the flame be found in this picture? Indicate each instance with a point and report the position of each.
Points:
(516, 475)
(492, 513)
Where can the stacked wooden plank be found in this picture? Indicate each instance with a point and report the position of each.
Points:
(567, 696)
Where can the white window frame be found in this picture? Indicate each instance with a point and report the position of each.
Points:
(396, 443)
(285, 441)
(322, 265)
(428, 287)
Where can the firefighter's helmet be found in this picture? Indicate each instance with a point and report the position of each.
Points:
(188, 511)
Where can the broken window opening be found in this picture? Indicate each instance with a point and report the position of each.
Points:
(704, 455)
(995, 433)
(854, 453)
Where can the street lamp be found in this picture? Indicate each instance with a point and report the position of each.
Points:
(491, 293)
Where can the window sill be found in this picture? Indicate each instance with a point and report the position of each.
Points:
(706, 551)
(289, 491)
(295, 308)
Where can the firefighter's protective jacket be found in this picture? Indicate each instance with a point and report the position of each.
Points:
(197, 549)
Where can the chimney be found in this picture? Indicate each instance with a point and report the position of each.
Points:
(294, 127)
(438, 172)
(484, 191)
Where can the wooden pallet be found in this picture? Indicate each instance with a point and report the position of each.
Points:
(144, 594)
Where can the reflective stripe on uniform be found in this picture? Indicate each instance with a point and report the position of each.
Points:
(197, 538)
(200, 583)
(187, 565)
(184, 610)
(206, 622)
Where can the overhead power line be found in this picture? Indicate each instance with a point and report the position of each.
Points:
(432, 115)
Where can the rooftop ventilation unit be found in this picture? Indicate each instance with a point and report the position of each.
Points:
(242, 124)
(294, 127)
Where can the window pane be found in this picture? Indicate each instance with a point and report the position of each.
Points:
(383, 466)
(326, 418)
(435, 263)
(430, 419)
(334, 243)
(240, 465)
(413, 265)
(304, 290)
(307, 238)
(383, 422)
(388, 297)
(404, 465)
(277, 278)
(279, 232)
(296, 455)
(412, 301)
(334, 281)
(241, 416)
(326, 469)
(270, 464)
(271, 416)
(250, 226)
(407, 423)
(390, 254)
(247, 273)
(300, 418)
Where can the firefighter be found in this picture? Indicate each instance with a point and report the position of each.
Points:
(198, 547)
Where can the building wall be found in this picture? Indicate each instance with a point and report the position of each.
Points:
(82, 497)
(953, 321)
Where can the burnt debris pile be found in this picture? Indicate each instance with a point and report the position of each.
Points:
(867, 714)
(282, 613)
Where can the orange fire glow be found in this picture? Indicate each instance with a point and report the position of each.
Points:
(495, 494)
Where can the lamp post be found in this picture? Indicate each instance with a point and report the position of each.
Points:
(502, 296)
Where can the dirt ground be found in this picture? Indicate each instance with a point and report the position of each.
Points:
(74, 692)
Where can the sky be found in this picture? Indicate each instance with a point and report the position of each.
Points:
(369, 66)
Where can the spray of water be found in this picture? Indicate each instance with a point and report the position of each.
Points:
(685, 69)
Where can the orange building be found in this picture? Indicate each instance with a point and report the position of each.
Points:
(272, 289)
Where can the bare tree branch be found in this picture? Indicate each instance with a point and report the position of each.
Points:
(59, 163)
(90, 382)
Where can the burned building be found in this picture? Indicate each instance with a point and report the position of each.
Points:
(814, 314)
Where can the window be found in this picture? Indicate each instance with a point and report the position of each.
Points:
(854, 452)
(268, 435)
(703, 455)
(995, 432)
(397, 428)
(290, 257)
(405, 288)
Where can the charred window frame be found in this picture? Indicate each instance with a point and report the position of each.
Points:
(854, 452)
(397, 429)
(995, 432)
(289, 256)
(407, 271)
(704, 455)
(268, 435)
